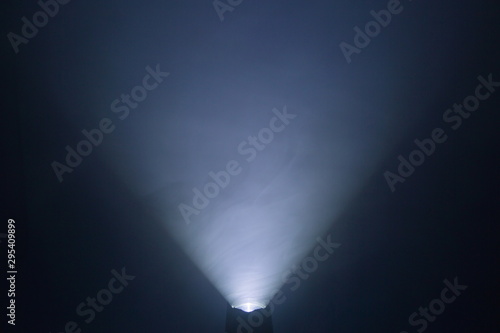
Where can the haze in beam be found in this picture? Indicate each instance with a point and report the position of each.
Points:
(246, 197)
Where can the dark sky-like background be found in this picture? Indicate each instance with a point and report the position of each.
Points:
(397, 248)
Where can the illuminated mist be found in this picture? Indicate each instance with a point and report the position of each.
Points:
(269, 206)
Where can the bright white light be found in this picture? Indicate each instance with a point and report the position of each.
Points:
(250, 229)
(263, 220)
(249, 307)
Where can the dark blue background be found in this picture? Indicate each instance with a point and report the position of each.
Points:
(397, 248)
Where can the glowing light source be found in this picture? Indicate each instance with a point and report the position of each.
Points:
(250, 306)
(247, 231)
(242, 321)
